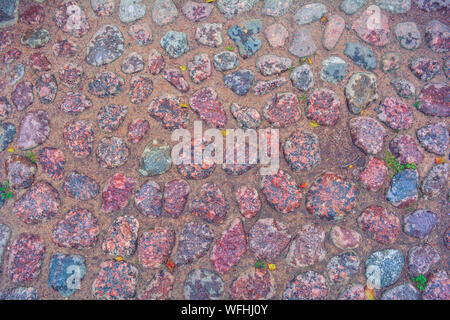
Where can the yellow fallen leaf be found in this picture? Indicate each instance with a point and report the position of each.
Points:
(439, 160)
(313, 124)
(182, 67)
(370, 294)
(272, 266)
(118, 258)
(225, 132)
(209, 1)
(184, 105)
(11, 149)
(350, 166)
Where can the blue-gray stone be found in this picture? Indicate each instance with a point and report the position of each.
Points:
(8, 12)
(432, 5)
(384, 267)
(434, 137)
(5, 234)
(402, 292)
(131, 10)
(35, 38)
(19, 293)
(395, 6)
(302, 77)
(403, 87)
(106, 46)
(225, 61)
(230, 8)
(239, 81)
(175, 43)
(351, 6)
(310, 13)
(245, 37)
(66, 273)
(408, 35)
(361, 55)
(276, 8)
(420, 223)
(404, 188)
(164, 12)
(302, 44)
(16, 74)
(435, 183)
(7, 133)
(155, 159)
(334, 69)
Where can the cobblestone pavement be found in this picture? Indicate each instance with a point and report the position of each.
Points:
(93, 206)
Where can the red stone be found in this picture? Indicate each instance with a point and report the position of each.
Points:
(383, 226)
(229, 248)
(155, 247)
(117, 193)
(374, 174)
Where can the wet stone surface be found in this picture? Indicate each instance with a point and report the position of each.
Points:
(353, 204)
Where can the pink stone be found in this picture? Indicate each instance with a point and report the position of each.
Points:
(345, 238)
(371, 31)
(333, 31)
(308, 246)
(374, 174)
(155, 61)
(117, 193)
(276, 34)
(230, 247)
